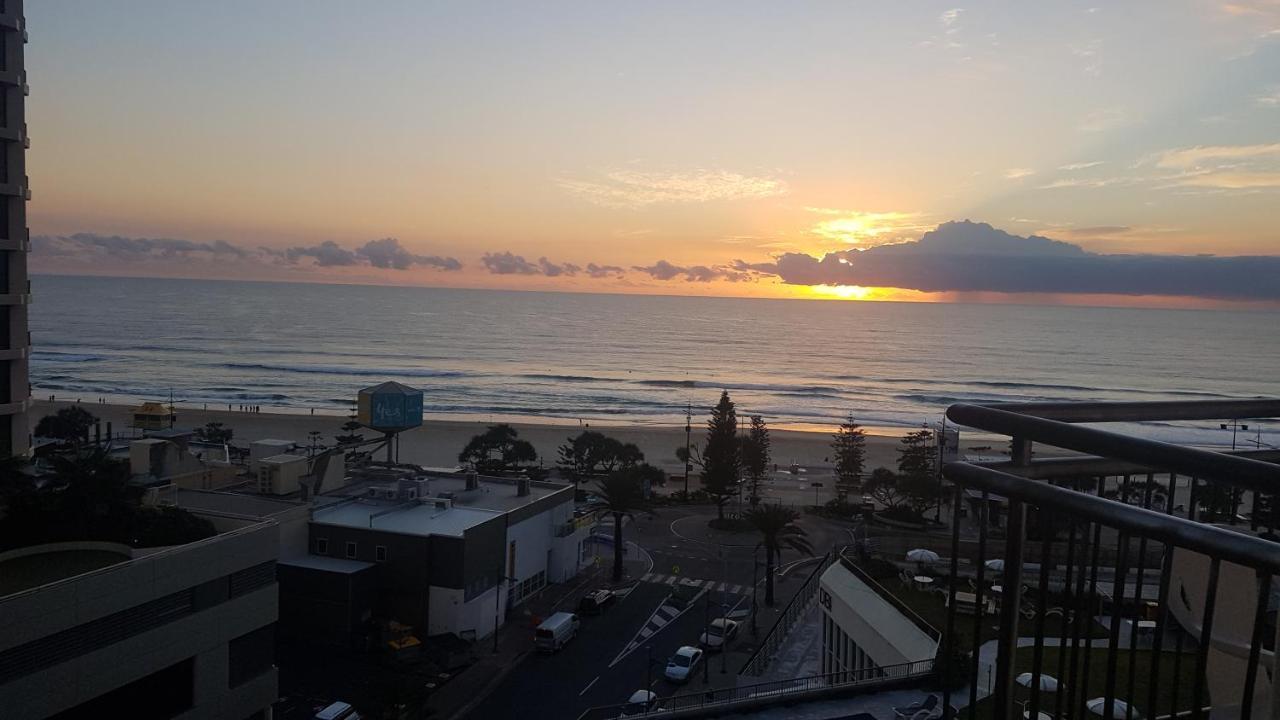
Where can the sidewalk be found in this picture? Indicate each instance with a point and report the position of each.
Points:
(515, 638)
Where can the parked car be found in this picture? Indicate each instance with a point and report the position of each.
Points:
(680, 666)
(338, 711)
(596, 602)
(640, 703)
(720, 634)
(555, 632)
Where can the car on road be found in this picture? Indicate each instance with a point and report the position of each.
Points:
(596, 602)
(680, 666)
(640, 703)
(721, 633)
(555, 632)
(338, 711)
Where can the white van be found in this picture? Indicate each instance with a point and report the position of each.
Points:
(555, 631)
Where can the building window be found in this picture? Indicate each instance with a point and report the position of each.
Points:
(380, 553)
(351, 550)
(250, 655)
(322, 546)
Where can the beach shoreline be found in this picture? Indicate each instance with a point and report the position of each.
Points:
(439, 440)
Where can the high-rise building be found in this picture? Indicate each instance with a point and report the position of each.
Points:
(15, 290)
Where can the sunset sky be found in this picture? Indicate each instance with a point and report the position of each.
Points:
(691, 148)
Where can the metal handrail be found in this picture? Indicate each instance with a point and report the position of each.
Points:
(721, 700)
(759, 659)
(1205, 464)
(1091, 412)
(1140, 522)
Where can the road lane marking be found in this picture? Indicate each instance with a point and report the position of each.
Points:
(588, 687)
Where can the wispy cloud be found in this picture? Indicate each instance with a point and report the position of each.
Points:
(1017, 173)
(949, 18)
(1269, 99)
(630, 189)
(1081, 165)
(1104, 120)
(1223, 167)
(1089, 182)
(1090, 55)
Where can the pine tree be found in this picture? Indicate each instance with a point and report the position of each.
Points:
(721, 459)
(916, 470)
(756, 455)
(850, 446)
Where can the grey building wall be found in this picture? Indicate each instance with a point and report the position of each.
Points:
(69, 642)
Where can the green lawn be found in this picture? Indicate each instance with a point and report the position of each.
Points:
(1172, 688)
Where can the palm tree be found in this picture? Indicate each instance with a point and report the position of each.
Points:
(778, 529)
(622, 494)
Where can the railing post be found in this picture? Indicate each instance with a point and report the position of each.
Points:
(1007, 642)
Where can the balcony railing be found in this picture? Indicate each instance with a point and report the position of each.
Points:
(1142, 569)
(721, 702)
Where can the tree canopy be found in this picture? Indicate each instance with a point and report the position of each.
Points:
(215, 432)
(68, 423)
(778, 530)
(498, 450)
(721, 457)
(591, 454)
(622, 494)
(756, 455)
(850, 446)
(88, 497)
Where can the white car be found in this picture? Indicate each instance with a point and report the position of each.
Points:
(641, 702)
(680, 666)
(721, 633)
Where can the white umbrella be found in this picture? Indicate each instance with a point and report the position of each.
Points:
(997, 565)
(1119, 708)
(921, 555)
(1048, 683)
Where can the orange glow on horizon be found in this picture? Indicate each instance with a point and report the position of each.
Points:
(865, 293)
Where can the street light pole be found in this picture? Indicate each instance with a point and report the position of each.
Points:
(755, 569)
(706, 630)
(688, 434)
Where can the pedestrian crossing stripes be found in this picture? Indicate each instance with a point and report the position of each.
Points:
(709, 585)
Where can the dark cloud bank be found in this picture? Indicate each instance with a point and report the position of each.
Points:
(384, 253)
(955, 257)
(975, 257)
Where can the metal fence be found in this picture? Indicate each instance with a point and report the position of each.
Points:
(1176, 525)
(716, 701)
(791, 614)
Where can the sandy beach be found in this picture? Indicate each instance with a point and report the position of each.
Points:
(437, 442)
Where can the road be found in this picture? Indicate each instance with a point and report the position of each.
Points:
(609, 660)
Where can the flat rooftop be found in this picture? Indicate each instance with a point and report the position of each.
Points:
(498, 494)
(408, 517)
(232, 503)
(22, 572)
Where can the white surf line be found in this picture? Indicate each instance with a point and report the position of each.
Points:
(588, 687)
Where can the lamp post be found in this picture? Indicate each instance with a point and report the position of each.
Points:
(706, 630)
(688, 434)
(1235, 425)
(497, 607)
(755, 569)
(648, 671)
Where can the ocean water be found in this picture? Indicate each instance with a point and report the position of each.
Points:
(522, 356)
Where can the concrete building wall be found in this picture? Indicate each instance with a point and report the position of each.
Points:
(111, 627)
(15, 242)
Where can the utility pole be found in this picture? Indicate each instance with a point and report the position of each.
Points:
(755, 569)
(706, 630)
(1237, 425)
(688, 435)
